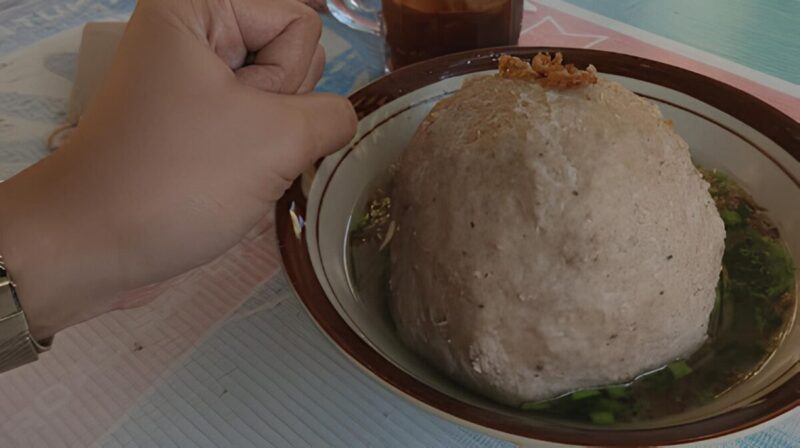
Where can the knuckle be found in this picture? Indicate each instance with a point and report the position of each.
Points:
(268, 79)
(273, 78)
(311, 19)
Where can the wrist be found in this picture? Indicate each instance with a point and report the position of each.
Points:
(39, 246)
(19, 254)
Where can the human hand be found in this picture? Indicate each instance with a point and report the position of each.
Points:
(319, 5)
(184, 149)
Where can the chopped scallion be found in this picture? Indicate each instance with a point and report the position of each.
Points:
(616, 391)
(586, 393)
(679, 369)
(602, 418)
(536, 406)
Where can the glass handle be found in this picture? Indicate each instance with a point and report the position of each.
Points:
(357, 14)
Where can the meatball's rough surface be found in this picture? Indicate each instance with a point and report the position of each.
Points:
(551, 240)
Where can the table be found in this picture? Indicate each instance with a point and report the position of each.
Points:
(227, 356)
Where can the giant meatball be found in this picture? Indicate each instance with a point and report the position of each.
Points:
(551, 240)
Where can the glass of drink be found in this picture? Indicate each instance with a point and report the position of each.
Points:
(415, 30)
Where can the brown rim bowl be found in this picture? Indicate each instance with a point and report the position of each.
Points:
(734, 131)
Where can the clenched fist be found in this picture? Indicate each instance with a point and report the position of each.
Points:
(204, 120)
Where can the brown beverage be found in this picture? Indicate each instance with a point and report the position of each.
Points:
(421, 29)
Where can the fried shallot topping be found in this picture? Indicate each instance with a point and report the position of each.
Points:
(548, 71)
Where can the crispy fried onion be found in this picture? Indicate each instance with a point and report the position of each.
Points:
(548, 71)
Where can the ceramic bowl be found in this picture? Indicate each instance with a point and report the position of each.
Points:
(726, 129)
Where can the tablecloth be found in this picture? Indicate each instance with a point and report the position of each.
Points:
(227, 356)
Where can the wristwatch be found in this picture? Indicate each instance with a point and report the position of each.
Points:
(17, 347)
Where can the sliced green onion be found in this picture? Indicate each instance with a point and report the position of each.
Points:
(730, 217)
(679, 369)
(586, 393)
(616, 391)
(361, 223)
(536, 406)
(602, 418)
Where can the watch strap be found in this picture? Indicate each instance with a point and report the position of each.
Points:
(17, 347)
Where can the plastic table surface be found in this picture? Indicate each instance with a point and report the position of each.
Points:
(228, 357)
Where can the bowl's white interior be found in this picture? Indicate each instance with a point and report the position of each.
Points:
(717, 141)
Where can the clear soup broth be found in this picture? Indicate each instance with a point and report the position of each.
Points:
(756, 299)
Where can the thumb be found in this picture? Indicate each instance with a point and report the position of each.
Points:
(326, 122)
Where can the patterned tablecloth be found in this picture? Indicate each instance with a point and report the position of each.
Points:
(227, 356)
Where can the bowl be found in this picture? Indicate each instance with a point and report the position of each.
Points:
(726, 128)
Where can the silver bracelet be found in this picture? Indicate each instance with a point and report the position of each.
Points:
(17, 347)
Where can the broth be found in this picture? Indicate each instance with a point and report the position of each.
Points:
(756, 299)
